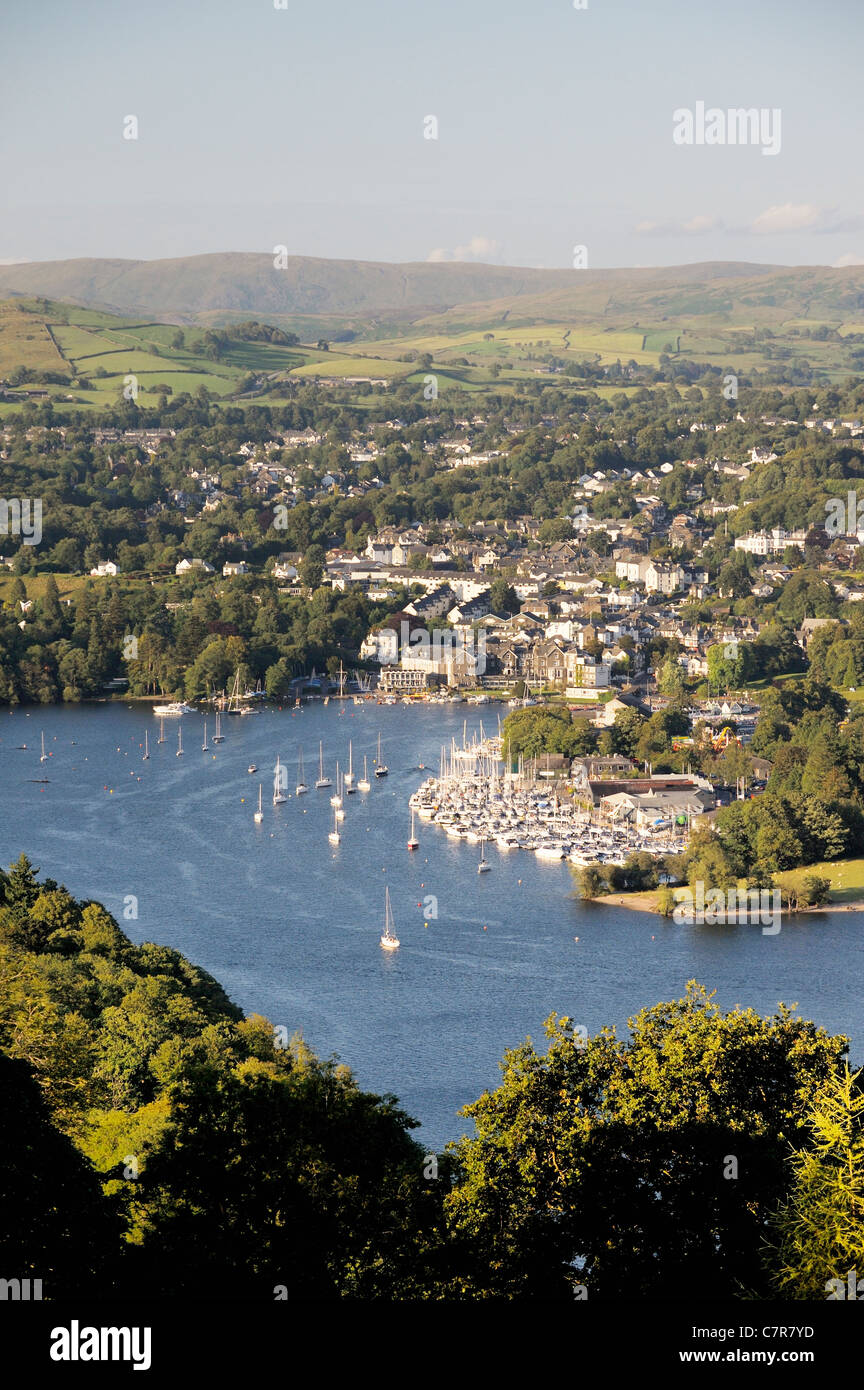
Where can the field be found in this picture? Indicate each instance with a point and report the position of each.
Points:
(499, 345)
(25, 340)
(67, 584)
(846, 877)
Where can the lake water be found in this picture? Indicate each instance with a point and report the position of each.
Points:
(289, 924)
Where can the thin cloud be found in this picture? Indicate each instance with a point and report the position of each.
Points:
(479, 248)
(788, 217)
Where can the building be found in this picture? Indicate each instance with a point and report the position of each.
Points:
(185, 565)
(772, 542)
(104, 567)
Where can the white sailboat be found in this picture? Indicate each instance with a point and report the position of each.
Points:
(381, 769)
(389, 940)
(364, 784)
(336, 798)
(204, 745)
(44, 757)
(322, 780)
(161, 738)
(259, 814)
(301, 777)
(180, 741)
(334, 836)
(348, 779)
(413, 842)
(278, 794)
(234, 705)
(484, 866)
(218, 737)
(146, 746)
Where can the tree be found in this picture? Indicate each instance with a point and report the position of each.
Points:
(345, 1212)
(817, 1235)
(57, 1226)
(814, 891)
(637, 1168)
(671, 677)
(503, 598)
(312, 567)
(592, 881)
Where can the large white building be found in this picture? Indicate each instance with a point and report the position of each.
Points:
(772, 542)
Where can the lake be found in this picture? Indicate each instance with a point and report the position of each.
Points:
(289, 923)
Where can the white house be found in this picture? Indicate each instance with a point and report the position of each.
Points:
(104, 567)
(663, 578)
(184, 566)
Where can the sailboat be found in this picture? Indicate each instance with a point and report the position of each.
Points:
(179, 740)
(389, 940)
(259, 814)
(322, 780)
(204, 745)
(364, 784)
(44, 757)
(336, 798)
(348, 779)
(234, 706)
(301, 777)
(146, 746)
(334, 836)
(484, 866)
(161, 738)
(218, 737)
(381, 769)
(413, 842)
(278, 794)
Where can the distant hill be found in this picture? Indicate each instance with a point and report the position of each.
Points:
(248, 283)
(88, 324)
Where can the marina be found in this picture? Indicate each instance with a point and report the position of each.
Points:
(289, 922)
(473, 799)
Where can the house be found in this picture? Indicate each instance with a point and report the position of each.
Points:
(584, 672)
(185, 565)
(772, 542)
(234, 567)
(663, 578)
(104, 567)
(432, 605)
(632, 568)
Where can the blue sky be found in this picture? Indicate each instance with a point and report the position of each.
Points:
(304, 127)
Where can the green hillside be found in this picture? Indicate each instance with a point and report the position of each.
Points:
(530, 323)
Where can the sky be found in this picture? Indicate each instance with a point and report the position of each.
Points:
(306, 126)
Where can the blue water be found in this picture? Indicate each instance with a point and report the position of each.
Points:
(289, 923)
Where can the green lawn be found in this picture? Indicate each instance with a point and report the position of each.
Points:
(846, 877)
